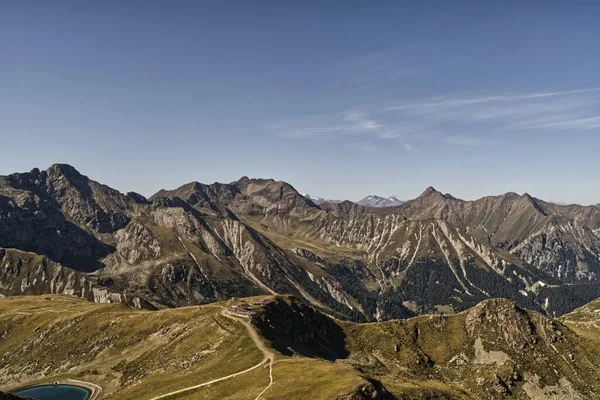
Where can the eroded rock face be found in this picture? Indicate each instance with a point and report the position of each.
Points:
(28, 273)
(23, 273)
(557, 252)
(504, 320)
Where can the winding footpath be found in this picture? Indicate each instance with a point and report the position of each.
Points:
(269, 357)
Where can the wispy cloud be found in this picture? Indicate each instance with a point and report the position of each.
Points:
(459, 121)
(465, 140)
(358, 122)
(349, 122)
(364, 147)
(472, 121)
(460, 102)
(408, 147)
(306, 132)
(557, 122)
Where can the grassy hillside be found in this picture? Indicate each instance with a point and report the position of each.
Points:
(288, 350)
(135, 354)
(585, 321)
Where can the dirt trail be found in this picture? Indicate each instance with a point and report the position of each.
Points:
(270, 379)
(269, 356)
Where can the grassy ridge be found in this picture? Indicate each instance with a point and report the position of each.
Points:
(134, 354)
(490, 351)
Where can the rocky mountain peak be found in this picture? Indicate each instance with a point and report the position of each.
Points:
(45, 183)
(244, 180)
(431, 192)
(511, 195)
(65, 170)
(526, 197)
(136, 197)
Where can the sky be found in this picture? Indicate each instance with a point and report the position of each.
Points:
(340, 99)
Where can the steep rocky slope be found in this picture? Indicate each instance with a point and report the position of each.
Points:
(65, 233)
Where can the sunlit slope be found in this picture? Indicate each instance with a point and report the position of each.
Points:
(135, 354)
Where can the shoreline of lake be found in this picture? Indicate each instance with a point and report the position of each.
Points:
(93, 391)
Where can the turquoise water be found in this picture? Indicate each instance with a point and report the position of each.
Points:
(55, 392)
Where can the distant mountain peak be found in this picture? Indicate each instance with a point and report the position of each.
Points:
(379, 201)
(246, 180)
(511, 195)
(528, 199)
(318, 200)
(431, 192)
(527, 195)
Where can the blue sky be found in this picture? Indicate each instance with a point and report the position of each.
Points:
(341, 99)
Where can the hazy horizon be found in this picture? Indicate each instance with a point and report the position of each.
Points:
(474, 99)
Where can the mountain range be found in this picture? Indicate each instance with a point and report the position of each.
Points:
(61, 232)
(368, 201)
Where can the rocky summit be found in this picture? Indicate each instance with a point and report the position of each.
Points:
(63, 233)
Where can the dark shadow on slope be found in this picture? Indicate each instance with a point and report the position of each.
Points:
(294, 328)
(42, 229)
